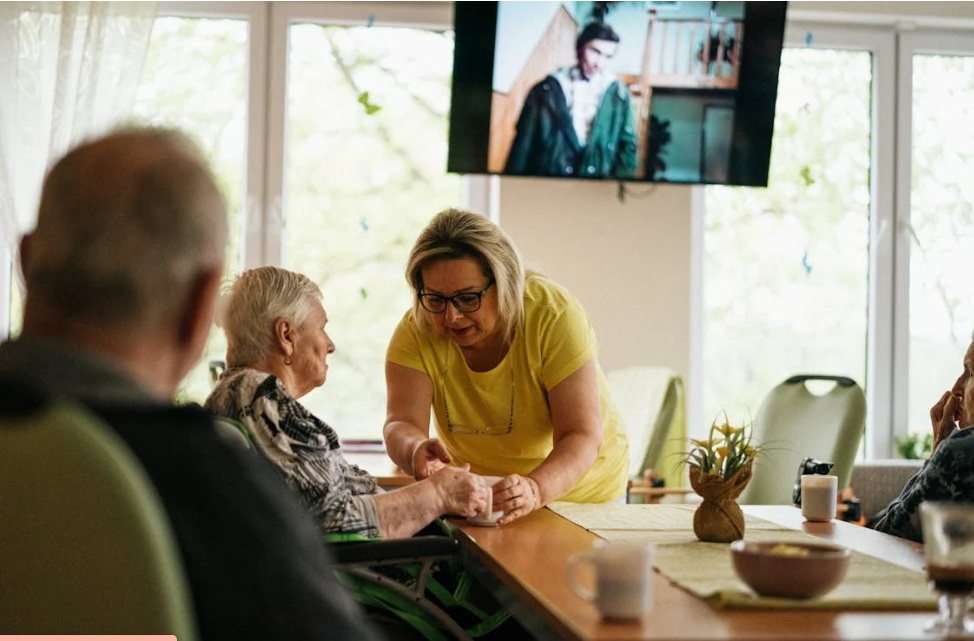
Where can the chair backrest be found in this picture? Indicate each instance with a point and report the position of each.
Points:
(651, 402)
(793, 423)
(85, 544)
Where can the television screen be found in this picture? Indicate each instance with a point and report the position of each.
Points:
(678, 92)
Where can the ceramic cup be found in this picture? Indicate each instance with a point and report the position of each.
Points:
(623, 578)
(819, 496)
(488, 517)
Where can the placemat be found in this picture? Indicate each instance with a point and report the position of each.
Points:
(706, 569)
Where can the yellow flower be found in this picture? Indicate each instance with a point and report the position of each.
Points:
(726, 450)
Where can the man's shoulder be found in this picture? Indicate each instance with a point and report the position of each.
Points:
(549, 86)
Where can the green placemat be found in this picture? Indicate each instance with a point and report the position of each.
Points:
(706, 569)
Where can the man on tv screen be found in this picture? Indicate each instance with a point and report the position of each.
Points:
(578, 121)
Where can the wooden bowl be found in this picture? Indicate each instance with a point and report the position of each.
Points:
(790, 570)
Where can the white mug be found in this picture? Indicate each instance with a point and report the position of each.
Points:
(623, 578)
(819, 496)
(488, 517)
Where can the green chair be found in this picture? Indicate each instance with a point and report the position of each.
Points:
(85, 543)
(651, 403)
(793, 423)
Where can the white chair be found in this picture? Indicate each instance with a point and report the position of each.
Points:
(651, 403)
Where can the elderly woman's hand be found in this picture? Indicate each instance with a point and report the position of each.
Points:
(944, 415)
(429, 457)
(517, 496)
(461, 492)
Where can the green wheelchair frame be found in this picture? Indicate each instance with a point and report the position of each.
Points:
(406, 578)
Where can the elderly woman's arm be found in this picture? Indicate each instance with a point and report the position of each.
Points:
(452, 490)
(406, 432)
(576, 416)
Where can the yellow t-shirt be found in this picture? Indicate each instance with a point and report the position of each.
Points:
(555, 340)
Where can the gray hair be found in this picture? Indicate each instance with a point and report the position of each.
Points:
(253, 303)
(455, 233)
(127, 224)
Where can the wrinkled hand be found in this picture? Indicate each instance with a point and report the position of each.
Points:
(517, 496)
(429, 457)
(944, 415)
(461, 492)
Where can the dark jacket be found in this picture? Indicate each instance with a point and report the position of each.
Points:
(254, 559)
(546, 144)
(946, 476)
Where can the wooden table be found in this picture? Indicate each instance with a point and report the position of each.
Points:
(529, 557)
(379, 465)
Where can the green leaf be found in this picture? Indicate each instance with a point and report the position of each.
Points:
(806, 176)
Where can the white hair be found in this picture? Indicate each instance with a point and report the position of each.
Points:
(252, 304)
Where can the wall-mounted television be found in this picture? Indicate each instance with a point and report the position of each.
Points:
(677, 92)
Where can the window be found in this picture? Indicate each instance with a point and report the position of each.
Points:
(893, 307)
(940, 214)
(786, 268)
(195, 78)
(365, 170)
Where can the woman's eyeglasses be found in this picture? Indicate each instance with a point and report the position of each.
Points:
(466, 302)
(460, 428)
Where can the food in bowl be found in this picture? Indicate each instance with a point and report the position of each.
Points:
(786, 549)
(790, 570)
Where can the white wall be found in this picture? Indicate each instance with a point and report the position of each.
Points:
(628, 263)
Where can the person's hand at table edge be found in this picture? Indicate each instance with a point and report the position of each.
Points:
(516, 496)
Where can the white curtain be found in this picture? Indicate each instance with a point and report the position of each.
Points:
(68, 71)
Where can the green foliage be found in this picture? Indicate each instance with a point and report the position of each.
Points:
(914, 446)
(726, 450)
(370, 108)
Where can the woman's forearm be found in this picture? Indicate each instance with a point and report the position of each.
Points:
(570, 458)
(401, 440)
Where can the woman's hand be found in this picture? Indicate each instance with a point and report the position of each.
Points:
(429, 457)
(461, 492)
(516, 496)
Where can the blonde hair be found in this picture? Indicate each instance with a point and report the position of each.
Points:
(252, 304)
(455, 233)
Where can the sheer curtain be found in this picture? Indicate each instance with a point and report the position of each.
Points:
(68, 71)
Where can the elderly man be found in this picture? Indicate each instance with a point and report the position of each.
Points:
(578, 121)
(122, 273)
(949, 474)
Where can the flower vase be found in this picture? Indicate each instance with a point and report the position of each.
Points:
(719, 518)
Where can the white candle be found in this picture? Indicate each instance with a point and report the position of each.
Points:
(819, 496)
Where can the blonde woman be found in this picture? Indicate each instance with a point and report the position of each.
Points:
(507, 363)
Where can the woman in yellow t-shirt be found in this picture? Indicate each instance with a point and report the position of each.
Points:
(507, 362)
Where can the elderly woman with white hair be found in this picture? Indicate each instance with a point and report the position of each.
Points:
(277, 351)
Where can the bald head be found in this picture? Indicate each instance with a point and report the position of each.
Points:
(127, 224)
